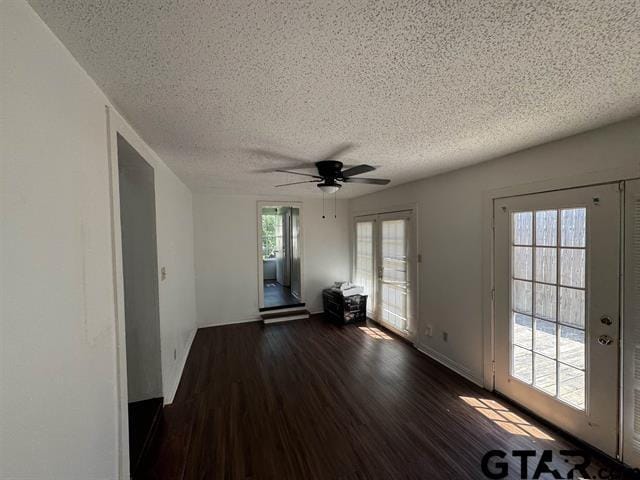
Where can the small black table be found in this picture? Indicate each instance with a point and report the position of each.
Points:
(343, 309)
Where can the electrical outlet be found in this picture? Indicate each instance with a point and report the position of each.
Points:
(445, 336)
(163, 273)
(429, 331)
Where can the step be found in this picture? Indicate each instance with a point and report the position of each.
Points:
(278, 317)
(282, 308)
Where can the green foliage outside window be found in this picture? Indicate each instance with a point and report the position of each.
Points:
(271, 231)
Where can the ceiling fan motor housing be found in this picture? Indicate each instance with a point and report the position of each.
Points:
(330, 170)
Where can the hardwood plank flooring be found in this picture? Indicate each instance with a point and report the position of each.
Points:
(312, 400)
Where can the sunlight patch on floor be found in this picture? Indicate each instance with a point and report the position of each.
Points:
(505, 419)
(374, 333)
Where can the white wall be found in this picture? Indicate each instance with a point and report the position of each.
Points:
(58, 397)
(450, 228)
(226, 248)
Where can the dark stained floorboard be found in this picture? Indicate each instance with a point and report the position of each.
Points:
(310, 400)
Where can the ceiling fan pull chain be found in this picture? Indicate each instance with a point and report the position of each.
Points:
(323, 205)
(334, 204)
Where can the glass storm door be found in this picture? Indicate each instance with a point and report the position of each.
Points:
(393, 272)
(365, 259)
(557, 308)
(385, 266)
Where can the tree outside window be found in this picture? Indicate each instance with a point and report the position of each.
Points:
(271, 235)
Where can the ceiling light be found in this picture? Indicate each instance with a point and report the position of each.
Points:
(329, 187)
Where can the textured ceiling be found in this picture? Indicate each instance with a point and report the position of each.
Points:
(419, 86)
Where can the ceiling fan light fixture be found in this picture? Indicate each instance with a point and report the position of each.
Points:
(329, 187)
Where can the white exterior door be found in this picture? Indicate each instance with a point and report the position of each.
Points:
(385, 265)
(557, 308)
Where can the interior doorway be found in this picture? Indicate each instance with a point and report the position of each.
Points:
(280, 256)
(557, 308)
(136, 185)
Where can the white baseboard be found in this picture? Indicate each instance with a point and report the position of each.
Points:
(286, 319)
(450, 364)
(231, 322)
(169, 398)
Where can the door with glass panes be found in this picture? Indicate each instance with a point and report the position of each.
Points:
(385, 266)
(557, 308)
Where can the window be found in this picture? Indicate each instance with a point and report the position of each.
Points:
(548, 292)
(271, 235)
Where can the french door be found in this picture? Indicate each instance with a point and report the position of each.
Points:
(385, 266)
(557, 308)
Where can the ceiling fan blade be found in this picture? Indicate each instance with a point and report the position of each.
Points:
(357, 170)
(298, 173)
(339, 150)
(296, 183)
(371, 181)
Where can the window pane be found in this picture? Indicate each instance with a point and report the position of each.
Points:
(571, 307)
(522, 294)
(571, 347)
(522, 227)
(522, 366)
(546, 266)
(545, 338)
(522, 330)
(547, 227)
(545, 306)
(571, 385)
(572, 267)
(522, 267)
(545, 371)
(364, 259)
(573, 231)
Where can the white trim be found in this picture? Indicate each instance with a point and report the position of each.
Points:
(285, 318)
(168, 399)
(232, 322)
(118, 287)
(116, 124)
(260, 204)
(582, 180)
(450, 364)
(403, 207)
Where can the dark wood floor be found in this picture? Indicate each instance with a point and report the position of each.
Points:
(276, 295)
(310, 400)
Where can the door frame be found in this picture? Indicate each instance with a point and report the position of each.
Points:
(414, 297)
(116, 125)
(260, 204)
(604, 176)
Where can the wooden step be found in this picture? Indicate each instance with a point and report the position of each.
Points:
(278, 317)
(282, 308)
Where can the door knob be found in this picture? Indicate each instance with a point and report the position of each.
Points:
(605, 340)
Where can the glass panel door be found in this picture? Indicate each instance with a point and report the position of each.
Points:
(364, 256)
(385, 266)
(393, 274)
(548, 301)
(556, 279)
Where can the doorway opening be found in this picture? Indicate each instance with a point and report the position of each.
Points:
(280, 256)
(141, 303)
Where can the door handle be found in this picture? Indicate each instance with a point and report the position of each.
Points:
(605, 340)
